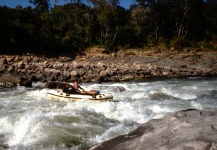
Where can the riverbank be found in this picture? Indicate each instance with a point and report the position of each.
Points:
(97, 66)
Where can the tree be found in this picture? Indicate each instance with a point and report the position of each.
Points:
(211, 18)
(19, 28)
(149, 16)
(74, 26)
(68, 26)
(108, 14)
(41, 5)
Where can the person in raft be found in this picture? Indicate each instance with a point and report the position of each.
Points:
(72, 88)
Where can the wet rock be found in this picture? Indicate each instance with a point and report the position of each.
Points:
(187, 129)
(25, 82)
(119, 89)
(55, 85)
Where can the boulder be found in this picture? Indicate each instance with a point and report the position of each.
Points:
(3, 63)
(25, 82)
(74, 73)
(12, 80)
(187, 129)
(55, 85)
(104, 73)
(100, 65)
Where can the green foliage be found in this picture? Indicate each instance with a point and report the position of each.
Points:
(41, 5)
(178, 43)
(71, 28)
(206, 45)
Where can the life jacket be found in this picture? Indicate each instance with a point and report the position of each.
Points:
(75, 86)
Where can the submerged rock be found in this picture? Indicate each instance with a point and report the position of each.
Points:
(187, 129)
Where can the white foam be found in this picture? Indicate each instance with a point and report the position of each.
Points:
(111, 133)
(6, 126)
(26, 130)
(139, 95)
(159, 111)
(38, 84)
(185, 95)
(20, 131)
(122, 111)
(21, 88)
(120, 85)
(190, 87)
(196, 105)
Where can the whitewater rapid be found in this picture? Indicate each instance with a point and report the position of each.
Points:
(30, 119)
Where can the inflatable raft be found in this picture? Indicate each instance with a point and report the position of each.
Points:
(78, 96)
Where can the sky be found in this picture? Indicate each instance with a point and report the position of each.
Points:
(24, 3)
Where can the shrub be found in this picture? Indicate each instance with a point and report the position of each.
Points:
(179, 43)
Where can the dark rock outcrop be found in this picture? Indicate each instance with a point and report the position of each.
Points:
(183, 130)
(55, 85)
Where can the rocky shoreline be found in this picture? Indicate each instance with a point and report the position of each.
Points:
(97, 66)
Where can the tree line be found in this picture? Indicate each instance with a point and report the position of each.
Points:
(72, 27)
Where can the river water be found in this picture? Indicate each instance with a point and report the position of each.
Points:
(30, 119)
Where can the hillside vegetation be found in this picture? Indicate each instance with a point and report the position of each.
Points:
(71, 28)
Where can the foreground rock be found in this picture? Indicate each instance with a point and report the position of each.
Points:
(184, 130)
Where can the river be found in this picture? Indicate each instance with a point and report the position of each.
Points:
(30, 119)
